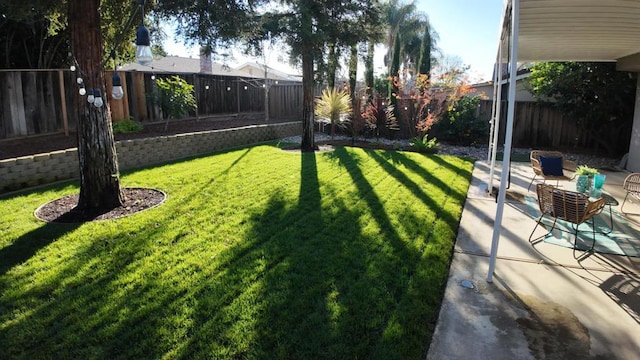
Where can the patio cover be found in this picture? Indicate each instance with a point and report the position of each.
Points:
(580, 30)
(566, 30)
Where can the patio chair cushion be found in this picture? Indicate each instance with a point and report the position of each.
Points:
(551, 165)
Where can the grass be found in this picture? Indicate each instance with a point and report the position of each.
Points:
(257, 253)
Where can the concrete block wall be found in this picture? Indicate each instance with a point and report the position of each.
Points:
(27, 171)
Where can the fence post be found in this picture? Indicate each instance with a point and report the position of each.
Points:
(141, 101)
(195, 91)
(63, 103)
(238, 93)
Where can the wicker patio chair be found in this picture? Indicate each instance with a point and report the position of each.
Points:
(570, 206)
(538, 157)
(631, 185)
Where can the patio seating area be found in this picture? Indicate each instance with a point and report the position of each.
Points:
(542, 302)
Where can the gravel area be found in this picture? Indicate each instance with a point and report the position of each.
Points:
(10, 148)
(478, 153)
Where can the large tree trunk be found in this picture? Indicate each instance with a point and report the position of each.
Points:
(332, 64)
(308, 141)
(353, 71)
(368, 71)
(99, 176)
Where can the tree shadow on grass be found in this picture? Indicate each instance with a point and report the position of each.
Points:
(359, 289)
(311, 282)
(312, 277)
(27, 245)
(458, 195)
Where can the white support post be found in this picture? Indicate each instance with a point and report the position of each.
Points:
(513, 67)
(498, 116)
(496, 82)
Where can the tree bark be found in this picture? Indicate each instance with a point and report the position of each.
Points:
(332, 65)
(99, 175)
(308, 141)
(368, 72)
(353, 71)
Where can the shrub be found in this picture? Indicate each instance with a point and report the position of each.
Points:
(334, 107)
(380, 118)
(127, 126)
(461, 124)
(424, 144)
(175, 97)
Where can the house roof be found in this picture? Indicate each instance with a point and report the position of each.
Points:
(257, 71)
(578, 30)
(181, 65)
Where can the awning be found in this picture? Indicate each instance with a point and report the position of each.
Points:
(561, 30)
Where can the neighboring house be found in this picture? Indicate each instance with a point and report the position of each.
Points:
(254, 70)
(181, 65)
(485, 89)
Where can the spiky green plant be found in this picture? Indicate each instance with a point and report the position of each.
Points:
(333, 106)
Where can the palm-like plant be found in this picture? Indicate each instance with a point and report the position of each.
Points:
(333, 107)
(380, 117)
(410, 27)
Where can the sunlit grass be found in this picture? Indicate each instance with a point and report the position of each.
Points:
(256, 253)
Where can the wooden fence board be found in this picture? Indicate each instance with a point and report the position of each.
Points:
(34, 102)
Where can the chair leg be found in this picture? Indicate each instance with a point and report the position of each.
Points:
(589, 251)
(531, 183)
(624, 201)
(575, 243)
(539, 238)
(593, 227)
(534, 228)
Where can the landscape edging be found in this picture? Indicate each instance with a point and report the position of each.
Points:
(38, 169)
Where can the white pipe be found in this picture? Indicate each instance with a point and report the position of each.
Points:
(513, 59)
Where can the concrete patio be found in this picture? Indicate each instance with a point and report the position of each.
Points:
(543, 303)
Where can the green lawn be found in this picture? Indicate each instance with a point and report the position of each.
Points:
(257, 253)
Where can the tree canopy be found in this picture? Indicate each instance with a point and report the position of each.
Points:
(210, 24)
(35, 34)
(596, 95)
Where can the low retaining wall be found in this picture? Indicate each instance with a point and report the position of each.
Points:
(27, 171)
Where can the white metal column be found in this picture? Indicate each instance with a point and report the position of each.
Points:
(513, 65)
(497, 116)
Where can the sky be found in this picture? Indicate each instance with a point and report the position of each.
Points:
(466, 28)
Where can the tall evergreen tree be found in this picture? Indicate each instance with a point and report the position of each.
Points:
(424, 61)
(353, 71)
(333, 63)
(368, 69)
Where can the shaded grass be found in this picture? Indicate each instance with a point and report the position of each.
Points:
(257, 253)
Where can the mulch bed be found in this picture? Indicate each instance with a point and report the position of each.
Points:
(63, 210)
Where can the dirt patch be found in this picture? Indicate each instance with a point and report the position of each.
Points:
(554, 332)
(63, 210)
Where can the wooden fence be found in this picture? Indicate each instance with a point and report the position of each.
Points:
(35, 102)
(539, 125)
